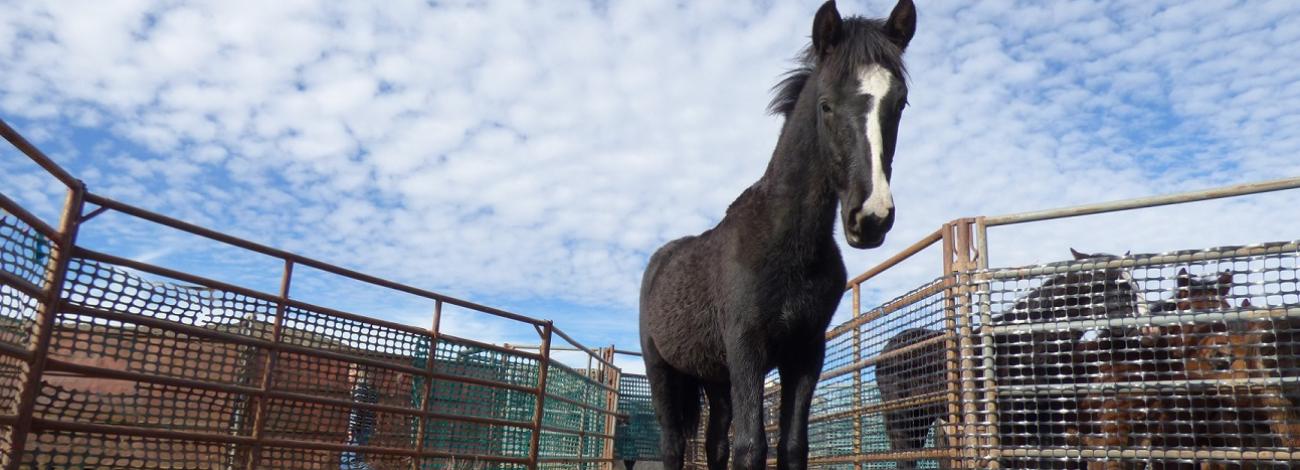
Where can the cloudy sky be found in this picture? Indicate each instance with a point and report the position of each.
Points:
(532, 155)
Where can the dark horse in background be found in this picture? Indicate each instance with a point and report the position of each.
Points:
(1028, 358)
(756, 292)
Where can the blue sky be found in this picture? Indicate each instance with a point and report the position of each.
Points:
(531, 155)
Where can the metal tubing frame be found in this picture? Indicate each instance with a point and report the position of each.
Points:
(45, 318)
(22, 422)
(969, 260)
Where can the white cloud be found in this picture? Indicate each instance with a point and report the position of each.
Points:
(517, 151)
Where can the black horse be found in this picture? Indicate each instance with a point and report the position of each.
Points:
(1021, 358)
(756, 292)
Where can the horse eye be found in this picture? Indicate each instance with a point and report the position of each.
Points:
(826, 107)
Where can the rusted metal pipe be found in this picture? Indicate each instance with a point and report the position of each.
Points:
(899, 257)
(1145, 202)
(39, 157)
(8, 205)
(268, 366)
(543, 366)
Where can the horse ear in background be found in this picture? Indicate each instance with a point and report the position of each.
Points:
(1225, 283)
(826, 28)
(901, 24)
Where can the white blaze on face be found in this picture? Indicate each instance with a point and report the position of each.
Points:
(876, 81)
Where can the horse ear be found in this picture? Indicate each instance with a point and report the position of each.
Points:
(1129, 252)
(1245, 303)
(1076, 254)
(827, 28)
(1225, 283)
(1184, 279)
(902, 23)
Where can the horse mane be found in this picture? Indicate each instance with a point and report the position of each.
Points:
(864, 42)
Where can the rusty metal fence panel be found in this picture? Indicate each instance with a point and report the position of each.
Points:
(1176, 360)
(110, 363)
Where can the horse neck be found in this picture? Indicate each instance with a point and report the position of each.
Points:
(798, 182)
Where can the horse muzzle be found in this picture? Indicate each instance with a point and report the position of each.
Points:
(864, 230)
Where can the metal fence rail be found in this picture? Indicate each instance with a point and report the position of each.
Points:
(107, 362)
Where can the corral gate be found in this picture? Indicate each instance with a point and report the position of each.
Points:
(1178, 360)
(107, 363)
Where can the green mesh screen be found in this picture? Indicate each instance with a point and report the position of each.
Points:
(638, 436)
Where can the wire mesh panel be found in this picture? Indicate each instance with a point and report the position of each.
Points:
(150, 370)
(450, 397)
(887, 394)
(576, 418)
(1181, 359)
(24, 254)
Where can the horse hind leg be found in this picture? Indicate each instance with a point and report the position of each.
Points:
(676, 400)
(716, 443)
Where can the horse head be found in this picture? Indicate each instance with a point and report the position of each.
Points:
(860, 96)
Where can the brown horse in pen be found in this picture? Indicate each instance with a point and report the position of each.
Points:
(1232, 413)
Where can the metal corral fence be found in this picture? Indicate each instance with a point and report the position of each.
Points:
(107, 362)
(1177, 360)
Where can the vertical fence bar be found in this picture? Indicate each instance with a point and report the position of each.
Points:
(268, 367)
(952, 352)
(990, 433)
(543, 366)
(966, 352)
(422, 427)
(57, 267)
(611, 404)
(857, 375)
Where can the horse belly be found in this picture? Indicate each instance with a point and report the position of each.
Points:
(691, 344)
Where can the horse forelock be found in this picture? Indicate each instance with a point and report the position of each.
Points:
(863, 43)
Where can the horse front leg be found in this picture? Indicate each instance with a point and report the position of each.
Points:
(798, 381)
(746, 363)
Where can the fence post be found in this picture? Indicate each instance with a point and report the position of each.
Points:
(543, 366)
(611, 420)
(422, 426)
(268, 370)
(951, 347)
(48, 311)
(986, 342)
(965, 267)
(857, 376)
